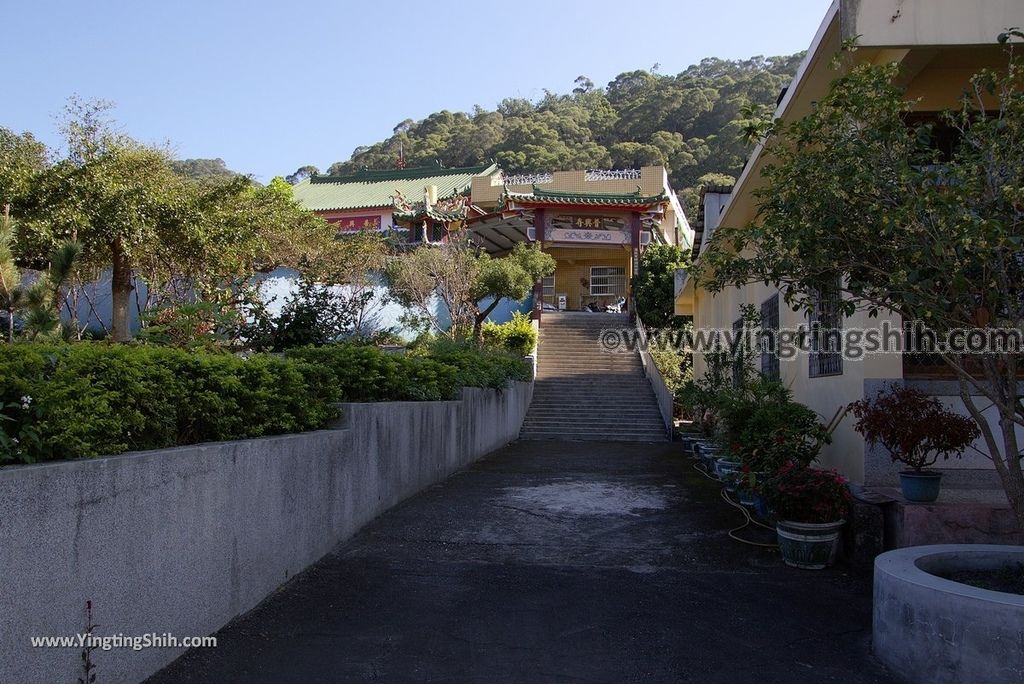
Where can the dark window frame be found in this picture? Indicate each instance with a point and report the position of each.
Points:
(826, 324)
(768, 338)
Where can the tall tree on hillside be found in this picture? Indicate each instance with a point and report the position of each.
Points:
(301, 174)
(693, 122)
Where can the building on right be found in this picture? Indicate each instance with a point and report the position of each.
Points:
(939, 45)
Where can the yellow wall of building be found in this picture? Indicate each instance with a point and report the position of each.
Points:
(939, 44)
(575, 263)
(825, 395)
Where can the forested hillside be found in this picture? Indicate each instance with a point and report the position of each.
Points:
(691, 122)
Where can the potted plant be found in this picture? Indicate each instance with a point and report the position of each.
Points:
(776, 432)
(917, 430)
(810, 506)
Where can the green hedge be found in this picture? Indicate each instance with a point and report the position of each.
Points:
(366, 373)
(91, 399)
(480, 367)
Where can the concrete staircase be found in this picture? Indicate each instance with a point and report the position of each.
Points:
(583, 392)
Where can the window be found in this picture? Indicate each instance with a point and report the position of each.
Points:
(608, 280)
(768, 338)
(826, 323)
(548, 283)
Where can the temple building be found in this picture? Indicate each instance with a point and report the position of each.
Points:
(594, 223)
(374, 200)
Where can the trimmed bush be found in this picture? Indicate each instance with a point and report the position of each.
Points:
(517, 336)
(365, 373)
(93, 399)
(474, 367)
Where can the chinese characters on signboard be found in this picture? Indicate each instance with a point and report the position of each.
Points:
(599, 222)
(350, 224)
(607, 237)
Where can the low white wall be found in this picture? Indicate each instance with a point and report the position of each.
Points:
(666, 400)
(183, 540)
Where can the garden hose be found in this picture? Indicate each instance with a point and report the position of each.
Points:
(749, 521)
(743, 510)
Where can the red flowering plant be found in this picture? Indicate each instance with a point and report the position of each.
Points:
(807, 495)
(915, 427)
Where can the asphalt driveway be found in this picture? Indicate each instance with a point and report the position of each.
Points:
(553, 561)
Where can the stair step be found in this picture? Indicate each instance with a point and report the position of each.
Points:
(585, 392)
(594, 437)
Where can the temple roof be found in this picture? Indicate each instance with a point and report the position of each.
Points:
(376, 189)
(601, 199)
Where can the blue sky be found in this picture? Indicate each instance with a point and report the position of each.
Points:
(271, 86)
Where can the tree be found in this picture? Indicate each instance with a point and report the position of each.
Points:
(654, 285)
(933, 235)
(432, 273)
(117, 203)
(202, 169)
(11, 294)
(21, 158)
(132, 213)
(693, 122)
(40, 302)
(511, 277)
(469, 284)
(301, 174)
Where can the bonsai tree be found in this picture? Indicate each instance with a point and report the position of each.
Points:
(915, 427)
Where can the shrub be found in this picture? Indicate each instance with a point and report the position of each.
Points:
(653, 285)
(807, 495)
(516, 336)
(674, 366)
(92, 399)
(478, 367)
(362, 372)
(781, 431)
(915, 427)
(736, 406)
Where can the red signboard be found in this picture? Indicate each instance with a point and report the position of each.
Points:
(348, 224)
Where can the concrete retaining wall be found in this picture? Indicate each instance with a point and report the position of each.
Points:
(183, 540)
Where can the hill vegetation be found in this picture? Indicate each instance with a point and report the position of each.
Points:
(692, 122)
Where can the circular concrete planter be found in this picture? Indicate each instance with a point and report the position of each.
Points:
(930, 629)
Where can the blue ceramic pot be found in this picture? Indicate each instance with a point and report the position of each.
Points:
(920, 486)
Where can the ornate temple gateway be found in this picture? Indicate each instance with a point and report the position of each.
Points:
(594, 223)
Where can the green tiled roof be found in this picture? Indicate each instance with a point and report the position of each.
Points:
(603, 199)
(374, 189)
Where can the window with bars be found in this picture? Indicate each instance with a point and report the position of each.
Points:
(826, 323)
(608, 280)
(548, 283)
(769, 338)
